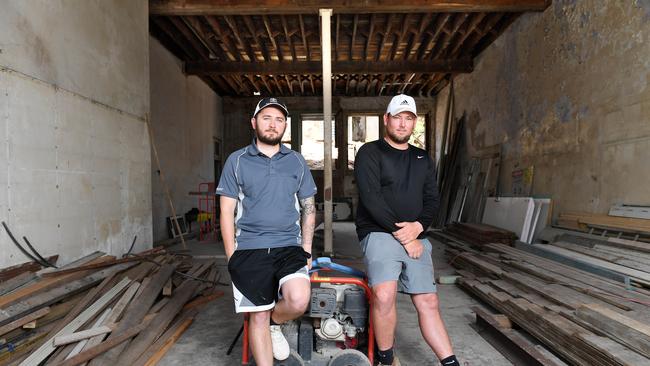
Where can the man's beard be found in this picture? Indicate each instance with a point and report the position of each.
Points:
(397, 139)
(268, 139)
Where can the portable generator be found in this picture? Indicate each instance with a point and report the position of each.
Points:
(336, 330)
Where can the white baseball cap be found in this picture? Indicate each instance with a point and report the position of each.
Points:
(401, 103)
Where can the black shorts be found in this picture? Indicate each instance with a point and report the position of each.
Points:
(258, 274)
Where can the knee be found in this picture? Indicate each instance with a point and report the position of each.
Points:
(427, 303)
(260, 319)
(383, 298)
(298, 301)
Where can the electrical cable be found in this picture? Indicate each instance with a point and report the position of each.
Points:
(23, 250)
(38, 254)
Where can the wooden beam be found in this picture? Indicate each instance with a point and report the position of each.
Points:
(304, 37)
(269, 31)
(253, 31)
(386, 35)
(225, 38)
(288, 37)
(244, 45)
(371, 30)
(339, 67)
(240, 7)
(397, 41)
(415, 37)
(354, 35)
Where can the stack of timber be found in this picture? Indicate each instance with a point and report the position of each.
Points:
(627, 260)
(101, 310)
(480, 234)
(583, 318)
(638, 228)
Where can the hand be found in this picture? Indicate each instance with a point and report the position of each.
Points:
(408, 231)
(414, 249)
(309, 263)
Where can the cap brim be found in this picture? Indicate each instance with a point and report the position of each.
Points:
(275, 105)
(403, 109)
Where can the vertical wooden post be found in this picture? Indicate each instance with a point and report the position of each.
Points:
(326, 47)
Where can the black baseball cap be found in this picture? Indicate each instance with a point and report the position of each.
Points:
(271, 102)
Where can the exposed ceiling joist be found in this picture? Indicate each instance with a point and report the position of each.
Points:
(242, 7)
(338, 67)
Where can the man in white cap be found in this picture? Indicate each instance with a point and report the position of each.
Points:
(268, 242)
(398, 198)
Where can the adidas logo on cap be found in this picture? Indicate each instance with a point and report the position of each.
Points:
(401, 103)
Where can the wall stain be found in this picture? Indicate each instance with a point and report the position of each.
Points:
(563, 109)
(645, 6)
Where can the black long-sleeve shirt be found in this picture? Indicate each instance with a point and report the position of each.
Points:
(394, 186)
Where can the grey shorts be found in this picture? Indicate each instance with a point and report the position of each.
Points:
(387, 260)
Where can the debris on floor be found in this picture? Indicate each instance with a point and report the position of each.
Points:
(585, 318)
(101, 310)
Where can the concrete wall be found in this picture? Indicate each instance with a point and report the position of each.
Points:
(74, 151)
(185, 117)
(566, 91)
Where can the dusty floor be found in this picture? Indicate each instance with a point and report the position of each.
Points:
(208, 338)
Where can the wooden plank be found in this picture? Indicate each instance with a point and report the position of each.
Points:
(156, 351)
(47, 348)
(640, 276)
(135, 312)
(158, 325)
(621, 328)
(16, 282)
(24, 320)
(56, 294)
(629, 244)
(40, 286)
(22, 347)
(114, 315)
(531, 354)
(167, 289)
(13, 271)
(250, 7)
(596, 252)
(81, 345)
(102, 264)
(78, 336)
(103, 347)
(203, 300)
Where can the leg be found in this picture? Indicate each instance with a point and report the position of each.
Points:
(384, 313)
(296, 294)
(260, 337)
(431, 324)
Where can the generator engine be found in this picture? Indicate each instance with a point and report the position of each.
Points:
(340, 314)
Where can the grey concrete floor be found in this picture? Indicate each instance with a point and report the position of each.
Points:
(208, 338)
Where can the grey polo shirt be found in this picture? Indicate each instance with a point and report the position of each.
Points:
(267, 191)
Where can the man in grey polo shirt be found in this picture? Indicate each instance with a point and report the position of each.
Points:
(267, 242)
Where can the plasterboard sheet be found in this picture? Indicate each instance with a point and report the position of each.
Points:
(510, 213)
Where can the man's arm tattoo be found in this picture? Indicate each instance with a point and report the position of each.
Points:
(308, 206)
(308, 221)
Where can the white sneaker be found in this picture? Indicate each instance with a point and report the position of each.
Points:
(280, 345)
